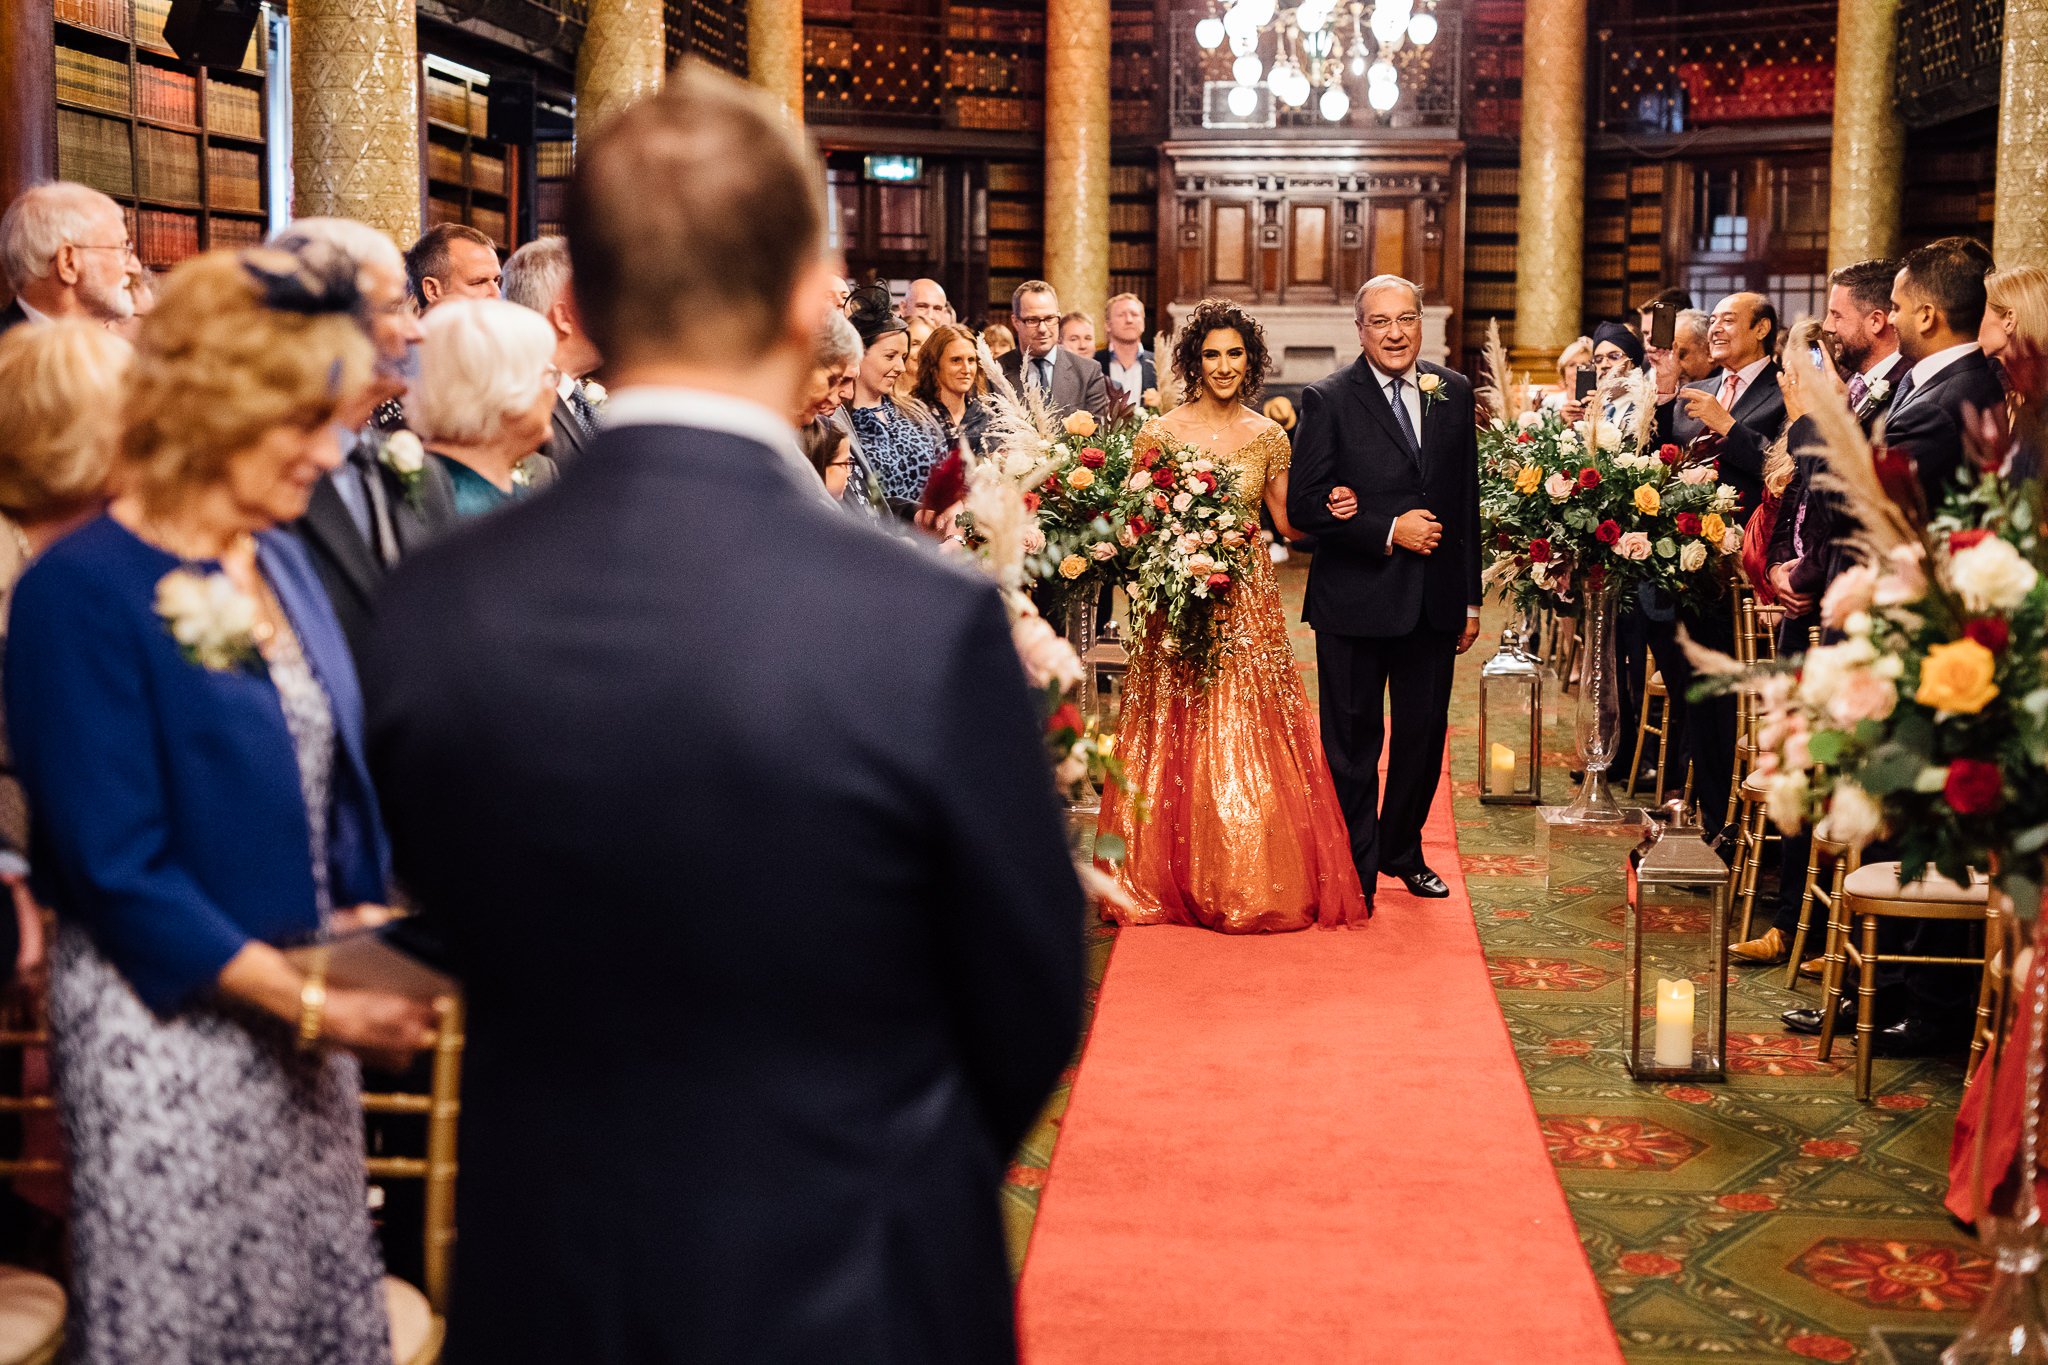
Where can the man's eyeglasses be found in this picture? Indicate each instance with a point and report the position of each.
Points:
(1380, 323)
(125, 248)
(1048, 320)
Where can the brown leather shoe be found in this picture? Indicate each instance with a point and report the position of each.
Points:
(1813, 967)
(1764, 950)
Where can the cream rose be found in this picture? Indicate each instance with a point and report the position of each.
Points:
(1696, 474)
(1853, 591)
(1559, 487)
(1862, 695)
(1045, 653)
(1785, 793)
(1034, 540)
(1101, 550)
(1853, 816)
(404, 453)
(1992, 576)
(1692, 557)
(1530, 420)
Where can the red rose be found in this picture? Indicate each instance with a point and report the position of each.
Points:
(1539, 550)
(1208, 480)
(1523, 438)
(1589, 477)
(1991, 632)
(1608, 532)
(1504, 541)
(1973, 786)
(1688, 522)
(1959, 541)
(1159, 501)
(1092, 457)
(1068, 717)
(1163, 478)
(1146, 459)
(1670, 454)
(1218, 582)
(1031, 502)
(1051, 484)
(1139, 526)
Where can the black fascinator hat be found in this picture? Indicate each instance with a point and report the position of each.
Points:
(313, 279)
(873, 313)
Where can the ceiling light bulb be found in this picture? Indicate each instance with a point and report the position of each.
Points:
(1382, 72)
(1241, 101)
(1246, 70)
(1358, 63)
(1335, 104)
(1383, 96)
(1422, 29)
(1389, 23)
(1209, 33)
(1262, 11)
(1238, 23)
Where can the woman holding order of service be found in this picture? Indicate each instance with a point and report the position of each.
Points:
(189, 734)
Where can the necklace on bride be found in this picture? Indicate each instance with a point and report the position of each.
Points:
(1217, 432)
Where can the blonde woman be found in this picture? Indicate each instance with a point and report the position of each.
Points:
(2015, 309)
(189, 735)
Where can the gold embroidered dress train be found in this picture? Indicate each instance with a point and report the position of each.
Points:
(1244, 834)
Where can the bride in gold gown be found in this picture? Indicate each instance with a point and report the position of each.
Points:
(1243, 833)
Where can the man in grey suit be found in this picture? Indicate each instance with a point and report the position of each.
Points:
(537, 277)
(1069, 382)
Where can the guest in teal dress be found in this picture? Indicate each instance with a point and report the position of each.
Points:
(484, 399)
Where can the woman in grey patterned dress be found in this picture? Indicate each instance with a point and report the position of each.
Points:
(188, 731)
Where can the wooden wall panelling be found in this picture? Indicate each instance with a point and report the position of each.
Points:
(1311, 260)
(1389, 219)
(1229, 267)
(1270, 241)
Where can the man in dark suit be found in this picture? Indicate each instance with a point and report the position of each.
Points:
(387, 499)
(1126, 362)
(1386, 462)
(537, 276)
(66, 251)
(1937, 306)
(1069, 383)
(766, 973)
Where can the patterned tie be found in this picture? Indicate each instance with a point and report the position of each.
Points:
(1406, 423)
(1042, 367)
(1859, 389)
(586, 415)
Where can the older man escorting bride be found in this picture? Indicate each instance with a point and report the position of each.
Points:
(1247, 829)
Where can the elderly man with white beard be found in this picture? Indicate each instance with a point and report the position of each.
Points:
(67, 254)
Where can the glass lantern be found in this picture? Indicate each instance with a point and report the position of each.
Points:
(1511, 725)
(1675, 954)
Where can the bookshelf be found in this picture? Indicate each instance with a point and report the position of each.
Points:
(178, 145)
(553, 160)
(1133, 231)
(470, 178)
(1016, 230)
(1953, 189)
(995, 69)
(1491, 195)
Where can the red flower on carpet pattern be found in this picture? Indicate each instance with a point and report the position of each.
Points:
(1688, 1094)
(1501, 865)
(1025, 1177)
(1613, 1144)
(1929, 1277)
(1829, 1147)
(1779, 1054)
(1568, 1047)
(1814, 1346)
(1903, 1102)
(1545, 974)
(1748, 1203)
(1609, 945)
(1511, 914)
(1650, 1263)
(1662, 919)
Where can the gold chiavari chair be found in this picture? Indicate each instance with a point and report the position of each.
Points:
(1819, 896)
(1755, 641)
(32, 1306)
(419, 1320)
(1653, 691)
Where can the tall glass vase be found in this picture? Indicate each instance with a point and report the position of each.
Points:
(1598, 726)
(2011, 1326)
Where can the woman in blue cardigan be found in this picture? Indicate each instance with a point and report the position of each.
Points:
(187, 727)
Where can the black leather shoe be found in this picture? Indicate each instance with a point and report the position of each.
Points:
(1424, 883)
(1808, 1020)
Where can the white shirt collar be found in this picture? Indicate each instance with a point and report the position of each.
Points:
(1881, 368)
(1939, 361)
(655, 405)
(31, 313)
(1748, 373)
(1385, 378)
(566, 385)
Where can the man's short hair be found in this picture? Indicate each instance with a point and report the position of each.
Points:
(1069, 319)
(43, 221)
(534, 275)
(428, 258)
(1382, 282)
(1869, 283)
(1116, 299)
(1029, 287)
(1951, 274)
(691, 217)
(1764, 309)
(1674, 297)
(1696, 321)
(838, 342)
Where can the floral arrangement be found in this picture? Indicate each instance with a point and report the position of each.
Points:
(1079, 503)
(1189, 547)
(213, 621)
(1565, 500)
(1928, 718)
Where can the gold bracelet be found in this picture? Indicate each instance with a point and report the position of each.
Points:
(312, 1004)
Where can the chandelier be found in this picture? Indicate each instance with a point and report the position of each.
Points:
(1313, 45)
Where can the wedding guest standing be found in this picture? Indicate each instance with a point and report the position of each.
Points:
(386, 499)
(1126, 362)
(1938, 305)
(771, 1133)
(485, 398)
(187, 728)
(1068, 382)
(950, 386)
(66, 253)
(452, 261)
(899, 440)
(537, 277)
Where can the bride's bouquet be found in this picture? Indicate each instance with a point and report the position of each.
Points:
(1189, 548)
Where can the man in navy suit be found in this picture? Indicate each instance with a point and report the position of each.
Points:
(1386, 477)
(1937, 306)
(736, 820)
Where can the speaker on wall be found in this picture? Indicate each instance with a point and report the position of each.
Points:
(211, 32)
(512, 97)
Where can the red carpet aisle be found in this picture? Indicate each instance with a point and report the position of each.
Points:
(1307, 1148)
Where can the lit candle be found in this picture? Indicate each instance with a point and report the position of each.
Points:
(1503, 768)
(1674, 1022)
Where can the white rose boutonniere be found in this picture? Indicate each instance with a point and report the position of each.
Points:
(594, 393)
(1877, 394)
(404, 456)
(213, 621)
(1431, 387)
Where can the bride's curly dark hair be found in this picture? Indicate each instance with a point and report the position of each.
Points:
(1215, 315)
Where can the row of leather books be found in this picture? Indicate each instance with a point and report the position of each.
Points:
(108, 16)
(90, 79)
(163, 237)
(234, 178)
(234, 109)
(167, 165)
(166, 96)
(95, 151)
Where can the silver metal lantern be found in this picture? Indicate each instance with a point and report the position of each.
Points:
(1675, 953)
(1511, 725)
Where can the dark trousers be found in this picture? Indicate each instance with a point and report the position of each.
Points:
(1366, 685)
(1709, 724)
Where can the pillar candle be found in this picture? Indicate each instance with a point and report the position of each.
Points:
(1674, 1022)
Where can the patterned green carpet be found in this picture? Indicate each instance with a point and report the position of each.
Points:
(1768, 1218)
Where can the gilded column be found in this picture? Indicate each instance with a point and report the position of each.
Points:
(1550, 222)
(2020, 225)
(775, 51)
(1865, 177)
(624, 56)
(1077, 153)
(356, 113)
